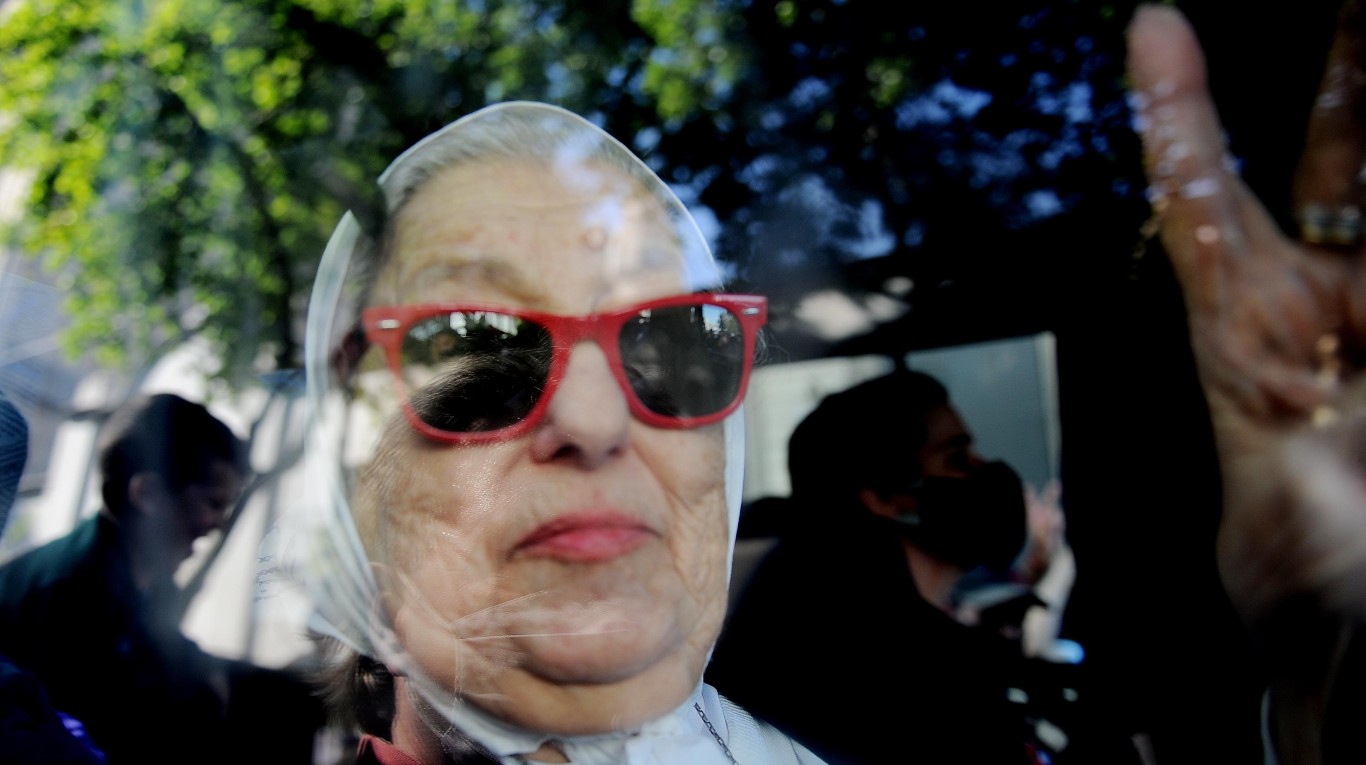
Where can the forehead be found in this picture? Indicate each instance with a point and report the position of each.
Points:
(570, 237)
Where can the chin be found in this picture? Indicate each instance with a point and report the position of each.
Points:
(573, 677)
(607, 684)
(601, 650)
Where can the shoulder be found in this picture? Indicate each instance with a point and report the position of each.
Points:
(62, 579)
(52, 562)
(755, 741)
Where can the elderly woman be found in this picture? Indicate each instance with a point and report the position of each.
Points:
(526, 399)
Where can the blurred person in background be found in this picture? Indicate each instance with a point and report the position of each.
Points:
(93, 614)
(908, 563)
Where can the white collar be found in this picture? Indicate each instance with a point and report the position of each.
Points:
(677, 738)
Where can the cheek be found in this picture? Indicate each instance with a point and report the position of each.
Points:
(443, 619)
(442, 596)
(701, 529)
(703, 565)
(441, 583)
(427, 523)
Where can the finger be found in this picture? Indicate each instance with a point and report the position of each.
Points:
(1330, 180)
(1327, 191)
(1248, 301)
(1192, 189)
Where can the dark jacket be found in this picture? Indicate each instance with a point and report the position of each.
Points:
(32, 732)
(832, 643)
(70, 615)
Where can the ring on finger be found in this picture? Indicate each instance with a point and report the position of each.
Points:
(1330, 224)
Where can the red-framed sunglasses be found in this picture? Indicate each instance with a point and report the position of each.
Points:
(470, 372)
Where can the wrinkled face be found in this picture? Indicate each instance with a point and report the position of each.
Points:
(588, 555)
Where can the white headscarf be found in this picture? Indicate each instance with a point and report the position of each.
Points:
(318, 541)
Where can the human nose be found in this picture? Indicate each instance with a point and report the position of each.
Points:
(587, 417)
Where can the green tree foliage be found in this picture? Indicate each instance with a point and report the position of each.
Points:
(930, 153)
(191, 156)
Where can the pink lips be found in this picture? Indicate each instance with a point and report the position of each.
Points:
(584, 538)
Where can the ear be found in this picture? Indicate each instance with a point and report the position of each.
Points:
(891, 506)
(145, 490)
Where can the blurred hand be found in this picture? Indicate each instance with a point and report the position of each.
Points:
(1278, 328)
(1049, 567)
(1047, 527)
(1277, 323)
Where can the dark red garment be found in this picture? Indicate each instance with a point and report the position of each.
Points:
(374, 750)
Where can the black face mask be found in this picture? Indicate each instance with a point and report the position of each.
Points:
(975, 521)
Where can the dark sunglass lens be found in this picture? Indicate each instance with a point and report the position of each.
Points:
(475, 371)
(684, 361)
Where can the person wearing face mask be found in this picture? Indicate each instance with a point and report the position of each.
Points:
(894, 520)
(525, 388)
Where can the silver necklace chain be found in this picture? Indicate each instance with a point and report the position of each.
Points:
(714, 734)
